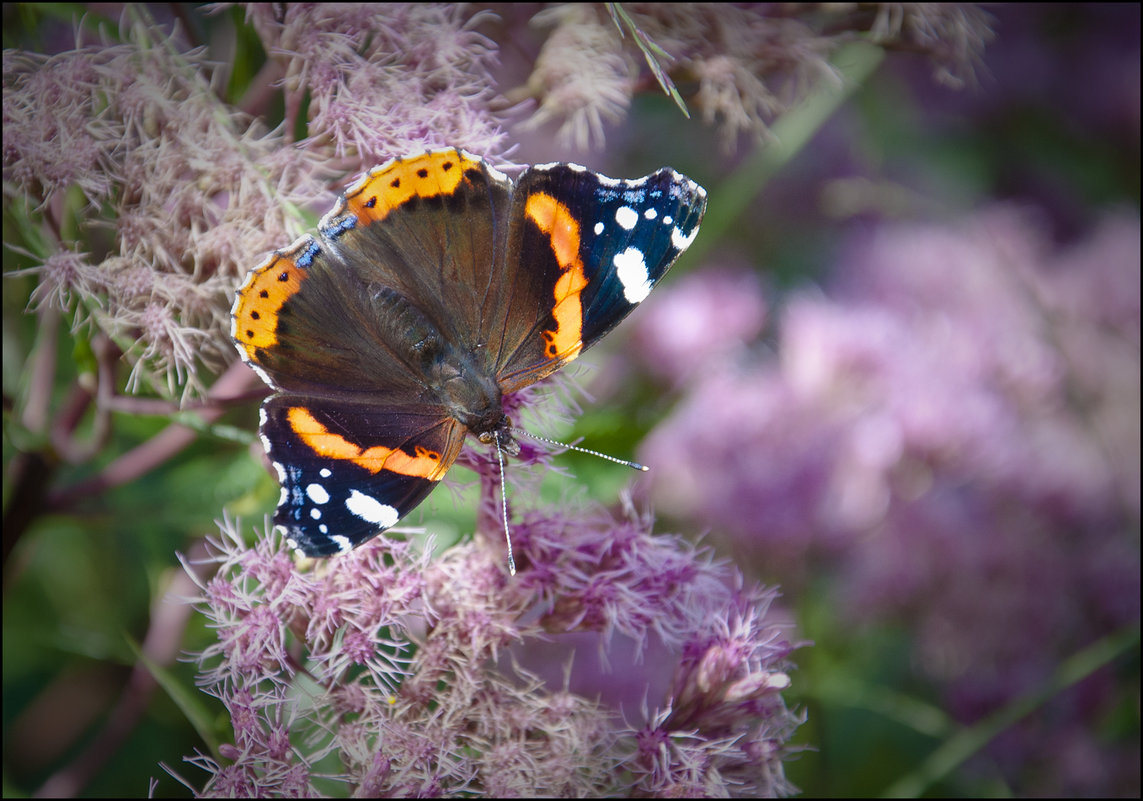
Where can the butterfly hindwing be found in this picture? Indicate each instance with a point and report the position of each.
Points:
(348, 470)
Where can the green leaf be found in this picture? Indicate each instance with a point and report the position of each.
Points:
(651, 52)
(188, 700)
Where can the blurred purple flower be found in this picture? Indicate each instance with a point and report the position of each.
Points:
(698, 321)
(961, 421)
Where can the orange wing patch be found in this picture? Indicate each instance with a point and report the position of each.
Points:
(562, 229)
(254, 319)
(383, 189)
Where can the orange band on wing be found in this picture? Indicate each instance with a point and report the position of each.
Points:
(428, 175)
(423, 464)
(562, 229)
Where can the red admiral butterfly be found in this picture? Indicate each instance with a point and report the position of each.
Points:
(438, 285)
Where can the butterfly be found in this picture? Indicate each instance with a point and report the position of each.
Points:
(436, 287)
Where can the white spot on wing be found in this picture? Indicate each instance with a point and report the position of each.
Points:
(598, 228)
(626, 217)
(371, 510)
(631, 270)
(317, 493)
(683, 241)
(343, 543)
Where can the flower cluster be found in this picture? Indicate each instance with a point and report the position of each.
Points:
(743, 65)
(195, 192)
(129, 125)
(379, 669)
(383, 81)
(958, 422)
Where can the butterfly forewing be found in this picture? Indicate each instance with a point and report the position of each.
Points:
(601, 244)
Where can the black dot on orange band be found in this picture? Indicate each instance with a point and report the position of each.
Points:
(255, 315)
(284, 276)
(395, 183)
(263, 294)
(422, 173)
(446, 166)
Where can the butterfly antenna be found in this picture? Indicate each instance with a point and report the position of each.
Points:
(530, 435)
(504, 504)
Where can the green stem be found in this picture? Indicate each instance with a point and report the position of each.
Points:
(962, 745)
